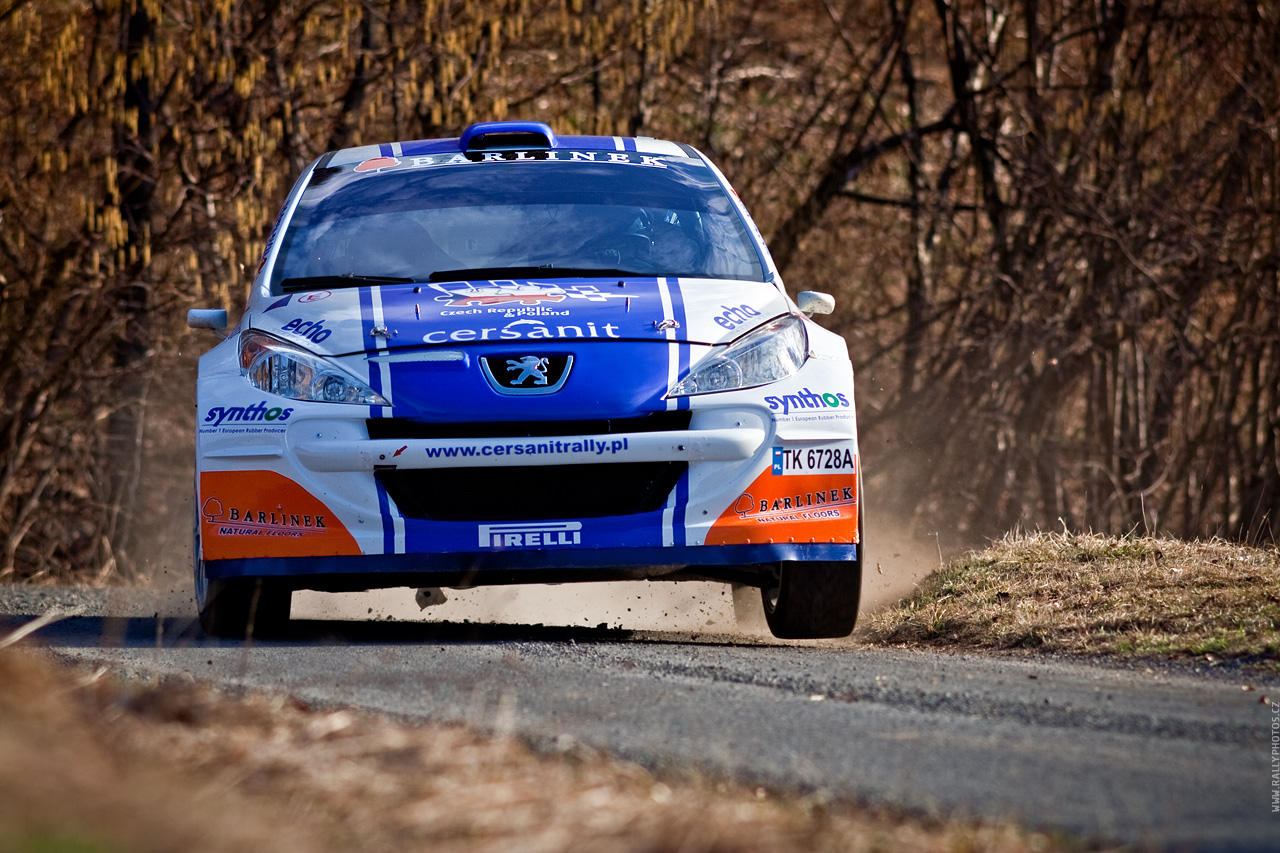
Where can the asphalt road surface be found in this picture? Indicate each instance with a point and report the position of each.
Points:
(1161, 758)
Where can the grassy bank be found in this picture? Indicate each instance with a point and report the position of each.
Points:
(1098, 595)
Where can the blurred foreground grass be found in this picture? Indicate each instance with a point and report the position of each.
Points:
(89, 764)
(1091, 594)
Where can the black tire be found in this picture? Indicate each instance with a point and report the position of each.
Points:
(244, 608)
(239, 608)
(812, 601)
(819, 600)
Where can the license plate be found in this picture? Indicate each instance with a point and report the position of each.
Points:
(807, 460)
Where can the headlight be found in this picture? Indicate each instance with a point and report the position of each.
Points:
(277, 367)
(766, 354)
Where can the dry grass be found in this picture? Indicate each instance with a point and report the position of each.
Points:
(88, 766)
(1089, 594)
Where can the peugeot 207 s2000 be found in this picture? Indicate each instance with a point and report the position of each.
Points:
(517, 357)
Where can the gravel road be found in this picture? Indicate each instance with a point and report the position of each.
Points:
(1161, 757)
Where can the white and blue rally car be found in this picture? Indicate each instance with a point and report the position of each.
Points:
(517, 357)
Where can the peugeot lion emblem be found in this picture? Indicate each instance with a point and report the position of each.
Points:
(529, 367)
(526, 374)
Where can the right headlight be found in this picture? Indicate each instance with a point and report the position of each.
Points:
(766, 354)
(278, 367)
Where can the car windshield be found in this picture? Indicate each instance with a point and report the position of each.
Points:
(561, 213)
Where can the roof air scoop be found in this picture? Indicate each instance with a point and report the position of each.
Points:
(507, 136)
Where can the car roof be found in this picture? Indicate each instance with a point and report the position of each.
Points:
(509, 136)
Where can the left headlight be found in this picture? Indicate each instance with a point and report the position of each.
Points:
(766, 354)
(277, 367)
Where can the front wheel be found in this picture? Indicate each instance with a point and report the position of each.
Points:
(239, 608)
(811, 601)
(243, 608)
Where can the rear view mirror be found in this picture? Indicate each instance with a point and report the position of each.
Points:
(811, 302)
(214, 319)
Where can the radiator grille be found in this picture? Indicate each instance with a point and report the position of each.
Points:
(532, 492)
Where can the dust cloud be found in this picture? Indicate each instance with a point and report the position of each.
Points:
(897, 559)
(635, 605)
(895, 562)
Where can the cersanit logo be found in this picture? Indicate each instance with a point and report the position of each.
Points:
(807, 400)
(246, 414)
(531, 534)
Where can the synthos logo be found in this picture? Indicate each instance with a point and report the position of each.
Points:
(246, 414)
(531, 535)
(313, 331)
(807, 400)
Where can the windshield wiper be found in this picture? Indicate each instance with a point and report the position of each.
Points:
(319, 282)
(502, 273)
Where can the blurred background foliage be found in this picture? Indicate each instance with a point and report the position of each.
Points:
(1051, 227)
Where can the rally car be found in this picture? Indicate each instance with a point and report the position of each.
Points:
(520, 357)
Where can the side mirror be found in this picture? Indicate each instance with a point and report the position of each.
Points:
(214, 319)
(811, 302)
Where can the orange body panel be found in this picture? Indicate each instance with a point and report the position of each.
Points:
(806, 508)
(264, 514)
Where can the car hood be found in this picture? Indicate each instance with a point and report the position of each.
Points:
(364, 319)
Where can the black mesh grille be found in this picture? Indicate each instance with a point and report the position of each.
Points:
(531, 492)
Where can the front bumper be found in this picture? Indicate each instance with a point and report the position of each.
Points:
(737, 480)
(714, 445)
(316, 504)
(730, 563)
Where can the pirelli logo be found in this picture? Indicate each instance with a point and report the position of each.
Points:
(531, 534)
